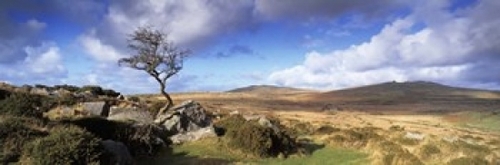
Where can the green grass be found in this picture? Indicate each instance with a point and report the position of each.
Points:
(212, 151)
(327, 155)
(484, 121)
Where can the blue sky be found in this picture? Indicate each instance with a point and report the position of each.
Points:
(317, 44)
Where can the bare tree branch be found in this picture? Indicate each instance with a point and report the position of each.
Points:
(156, 55)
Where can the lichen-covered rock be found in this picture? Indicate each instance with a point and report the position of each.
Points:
(98, 108)
(130, 114)
(194, 135)
(187, 117)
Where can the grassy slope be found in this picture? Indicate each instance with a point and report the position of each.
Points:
(210, 151)
(327, 155)
(484, 121)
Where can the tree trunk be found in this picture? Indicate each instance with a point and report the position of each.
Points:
(170, 103)
(169, 100)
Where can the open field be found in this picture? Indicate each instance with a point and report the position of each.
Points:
(429, 137)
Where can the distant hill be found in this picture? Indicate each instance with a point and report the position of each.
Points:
(412, 89)
(418, 95)
(267, 89)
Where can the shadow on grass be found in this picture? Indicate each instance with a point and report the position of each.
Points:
(183, 158)
(309, 146)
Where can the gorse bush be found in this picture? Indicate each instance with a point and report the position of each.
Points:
(64, 145)
(25, 104)
(230, 125)
(14, 134)
(253, 138)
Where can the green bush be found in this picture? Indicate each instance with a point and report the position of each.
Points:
(250, 137)
(14, 134)
(230, 125)
(253, 138)
(25, 104)
(139, 139)
(64, 145)
(468, 161)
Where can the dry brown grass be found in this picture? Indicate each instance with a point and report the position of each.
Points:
(302, 112)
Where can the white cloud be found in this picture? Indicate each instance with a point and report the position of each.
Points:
(14, 37)
(98, 50)
(35, 24)
(44, 59)
(42, 63)
(447, 49)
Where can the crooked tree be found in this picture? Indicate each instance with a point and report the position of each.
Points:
(156, 55)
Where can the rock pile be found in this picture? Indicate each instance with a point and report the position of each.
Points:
(187, 122)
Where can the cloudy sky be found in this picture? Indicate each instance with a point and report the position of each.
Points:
(318, 44)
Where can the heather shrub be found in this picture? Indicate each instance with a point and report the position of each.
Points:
(230, 125)
(64, 145)
(14, 134)
(255, 139)
(25, 104)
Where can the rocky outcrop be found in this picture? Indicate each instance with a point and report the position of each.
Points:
(98, 108)
(187, 117)
(130, 114)
(194, 135)
(39, 91)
